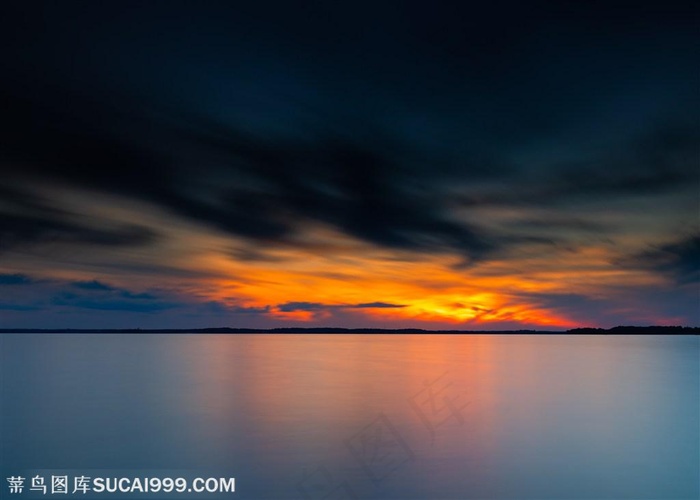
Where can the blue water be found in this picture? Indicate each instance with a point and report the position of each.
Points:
(362, 416)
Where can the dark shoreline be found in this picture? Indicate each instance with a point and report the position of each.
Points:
(618, 330)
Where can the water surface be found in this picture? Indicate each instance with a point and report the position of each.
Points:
(363, 416)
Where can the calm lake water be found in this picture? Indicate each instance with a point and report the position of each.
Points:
(362, 416)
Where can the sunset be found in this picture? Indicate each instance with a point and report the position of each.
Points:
(199, 177)
(246, 230)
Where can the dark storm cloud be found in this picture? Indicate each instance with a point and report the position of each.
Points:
(266, 190)
(19, 307)
(15, 279)
(301, 306)
(657, 162)
(679, 260)
(377, 305)
(92, 285)
(21, 230)
(58, 298)
(561, 223)
(247, 310)
(221, 308)
(102, 304)
(95, 285)
(55, 295)
(653, 163)
(317, 306)
(360, 190)
(101, 296)
(26, 219)
(461, 81)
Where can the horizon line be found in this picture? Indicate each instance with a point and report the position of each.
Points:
(621, 329)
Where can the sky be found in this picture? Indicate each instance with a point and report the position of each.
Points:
(460, 165)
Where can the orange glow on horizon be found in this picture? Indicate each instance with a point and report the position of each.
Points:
(424, 289)
(325, 278)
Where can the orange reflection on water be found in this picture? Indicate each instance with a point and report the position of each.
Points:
(520, 404)
(329, 386)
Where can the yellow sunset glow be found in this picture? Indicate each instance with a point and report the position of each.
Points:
(423, 288)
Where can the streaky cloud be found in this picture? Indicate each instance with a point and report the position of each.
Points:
(27, 219)
(678, 259)
(93, 285)
(318, 306)
(377, 305)
(15, 279)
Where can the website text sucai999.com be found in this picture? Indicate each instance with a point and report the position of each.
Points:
(120, 485)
